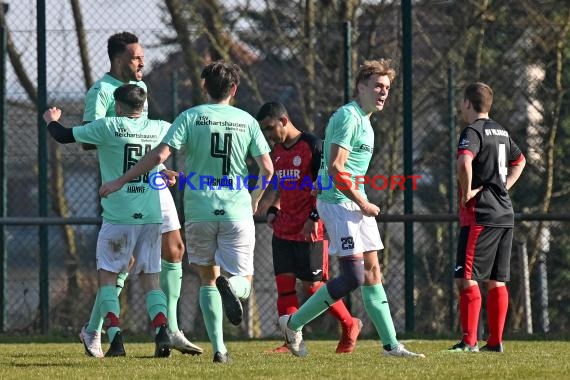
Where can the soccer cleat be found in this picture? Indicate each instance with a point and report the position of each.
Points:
(294, 339)
(348, 338)
(283, 349)
(92, 342)
(232, 304)
(401, 351)
(497, 348)
(117, 348)
(222, 358)
(162, 343)
(180, 343)
(464, 347)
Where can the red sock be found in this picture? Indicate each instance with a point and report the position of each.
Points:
(287, 302)
(497, 306)
(111, 320)
(337, 309)
(159, 320)
(469, 309)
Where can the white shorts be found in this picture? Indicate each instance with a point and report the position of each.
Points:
(170, 221)
(118, 242)
(349, 231)
(228, 245)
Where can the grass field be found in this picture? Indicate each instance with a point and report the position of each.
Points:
(521, 360)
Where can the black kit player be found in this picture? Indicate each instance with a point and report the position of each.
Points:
(488, 165)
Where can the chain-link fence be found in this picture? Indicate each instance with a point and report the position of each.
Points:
(293, 52)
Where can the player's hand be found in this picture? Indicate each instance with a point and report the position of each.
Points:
(310, 230)
(470, 195)
(52, 114)
(109, 188)
(271, 220)
(370, 209)
(172, 175)
(316, 189)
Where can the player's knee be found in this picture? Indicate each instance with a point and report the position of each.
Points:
(351, 278)
(173, 250)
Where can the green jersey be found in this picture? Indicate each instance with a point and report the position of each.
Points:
(99, 101)
(218, 138)
(121, 142)
(349, 127)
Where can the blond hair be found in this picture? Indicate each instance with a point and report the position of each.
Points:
(380, 67)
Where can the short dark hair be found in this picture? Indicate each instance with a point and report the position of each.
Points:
(117, 43)
(131, 95)
(480, 95)
(219, 77)
(272, 110)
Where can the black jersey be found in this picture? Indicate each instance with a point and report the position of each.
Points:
(493, 151)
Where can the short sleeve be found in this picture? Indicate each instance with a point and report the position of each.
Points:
(515, 152)
(344, 126)
(91, 133)
(469, 142)
(258, 145)
(96, 104)
(178, 134)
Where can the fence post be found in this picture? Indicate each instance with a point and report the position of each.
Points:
(347, 63)
(347, 60)
(3, 176)
(544, 247)
(408, 160)
(523, 254)
(452, 197)
(42, 166)
(177, 194)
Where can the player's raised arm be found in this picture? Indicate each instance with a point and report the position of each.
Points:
(60, 134)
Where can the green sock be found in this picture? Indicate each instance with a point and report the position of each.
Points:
(212, 311)
(96, 319)
(377, 308)
(109, 303)
(171, 283)
(241, 286)
(121, 278)
(155, 304)
(317, 304)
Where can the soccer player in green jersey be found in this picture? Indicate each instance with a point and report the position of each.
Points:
(127, 63)
(131, 218)
(220, 232)
(349, 217)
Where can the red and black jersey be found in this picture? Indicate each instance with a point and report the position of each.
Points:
(295, 168)
(493, 151)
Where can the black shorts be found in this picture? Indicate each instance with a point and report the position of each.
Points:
(308, 261)
(484, 253)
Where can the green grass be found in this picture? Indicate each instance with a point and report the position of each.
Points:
(522, 360)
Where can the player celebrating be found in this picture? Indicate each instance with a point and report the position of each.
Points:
(127, 63)
(349, 216)
(299, 250)
(131, 218)
(488, 165)
(220, 232)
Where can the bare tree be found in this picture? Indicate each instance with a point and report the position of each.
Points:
(82, 42)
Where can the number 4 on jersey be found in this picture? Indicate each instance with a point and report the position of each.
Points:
(224, 153)
(502, 161)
